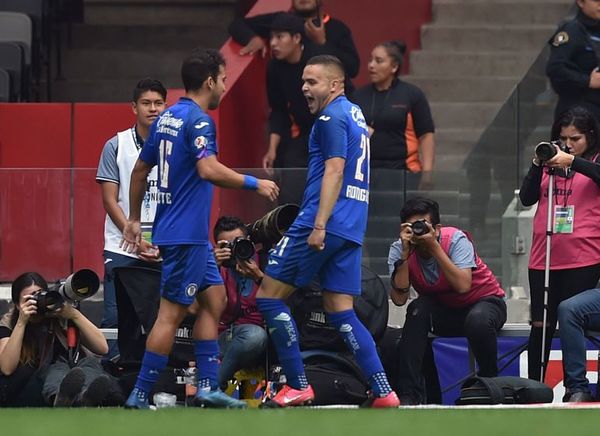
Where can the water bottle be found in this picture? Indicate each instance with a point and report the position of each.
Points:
(191, 383)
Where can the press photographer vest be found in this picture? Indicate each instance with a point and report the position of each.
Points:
(568, 250)
(483, 281)
(127, 154)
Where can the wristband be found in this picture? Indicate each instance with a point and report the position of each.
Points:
(250, 182)
(318, 228)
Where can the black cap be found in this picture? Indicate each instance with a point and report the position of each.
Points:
(287, 22)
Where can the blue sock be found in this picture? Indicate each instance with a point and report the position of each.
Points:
(284, 334)
(152, 365)
(207, 362)
(360, 342)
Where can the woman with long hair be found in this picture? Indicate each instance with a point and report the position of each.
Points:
(34, 354)
(575, 241)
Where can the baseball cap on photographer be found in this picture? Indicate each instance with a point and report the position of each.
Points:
(287, 22)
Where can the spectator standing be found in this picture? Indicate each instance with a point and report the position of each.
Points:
(323, 35)
(114, 172)
(399, 117)
(458, 294)
(575, 247)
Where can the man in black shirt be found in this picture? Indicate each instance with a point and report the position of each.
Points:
(322, 35)
(575, 58)
(290, 120)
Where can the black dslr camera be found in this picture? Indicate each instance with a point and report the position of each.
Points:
(545, 151)
(78, 286)
(241, 249)
(420, 228)
(266, 231)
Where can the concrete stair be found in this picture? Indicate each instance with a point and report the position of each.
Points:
(122, 41)
(473, 54)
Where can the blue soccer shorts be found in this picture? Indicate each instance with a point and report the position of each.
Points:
(338, 265)
(186, 270)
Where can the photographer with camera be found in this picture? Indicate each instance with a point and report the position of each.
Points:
(575, 238)
(37, 356)
(458, 294)
(242, 338)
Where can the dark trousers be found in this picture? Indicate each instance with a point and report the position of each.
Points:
(479, 322)
(23, 388)
(564, 284)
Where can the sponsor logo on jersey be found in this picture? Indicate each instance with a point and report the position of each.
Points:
(201, 125)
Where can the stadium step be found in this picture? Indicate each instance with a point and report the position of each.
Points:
(444, 88)
(453, 63)
(159, 12)
(123, 41)
(523, 12)
(485, 37)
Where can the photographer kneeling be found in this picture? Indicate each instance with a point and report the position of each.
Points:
(242, 338)
(458, 294)
(34, 355)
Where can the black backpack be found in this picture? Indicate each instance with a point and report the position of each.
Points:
(307, 309)
(335, 378)
(504, 390)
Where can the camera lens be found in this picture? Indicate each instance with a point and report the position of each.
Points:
(419, 228)
(545, 151)
(242, 249)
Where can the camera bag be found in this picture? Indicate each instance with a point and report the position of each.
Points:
(371, 308)
(335, 378)
(503, 390)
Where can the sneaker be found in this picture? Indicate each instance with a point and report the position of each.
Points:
(389, 401)
(70, 387)
(138, 399)
(581, 397)
(289, 396)
(96, 393)
(217, 399)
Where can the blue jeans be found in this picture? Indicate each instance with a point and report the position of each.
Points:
(110, 317)
(575, 315)
(243, 347)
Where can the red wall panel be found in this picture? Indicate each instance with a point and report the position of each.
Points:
(93, 125)
(88, 221)
(35, 135)
(34, 222)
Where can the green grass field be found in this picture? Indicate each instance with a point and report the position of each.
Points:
(312, 422)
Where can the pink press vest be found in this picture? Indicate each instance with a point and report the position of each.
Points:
(568, 250)
(483, 282)
(249, 313)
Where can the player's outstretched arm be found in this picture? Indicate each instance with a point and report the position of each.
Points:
(209, 168)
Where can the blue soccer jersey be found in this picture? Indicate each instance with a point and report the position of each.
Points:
(181, 136)
(339, 131)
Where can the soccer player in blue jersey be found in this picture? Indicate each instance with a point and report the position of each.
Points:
(182, 143)
(326, 238)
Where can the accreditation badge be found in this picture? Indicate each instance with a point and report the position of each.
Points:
(564, 219)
